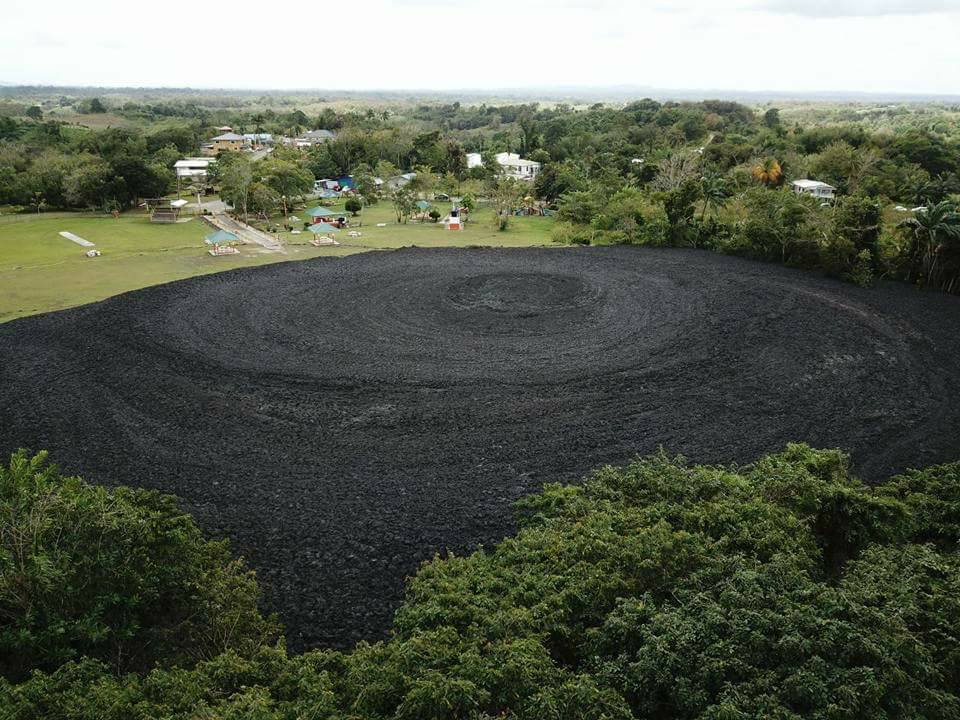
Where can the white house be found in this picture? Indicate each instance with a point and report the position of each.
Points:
(817, 189)
(517, 167)
(193, 168)
(474, 160)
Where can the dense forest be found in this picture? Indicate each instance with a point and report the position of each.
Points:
(711, 174)
(782, 589)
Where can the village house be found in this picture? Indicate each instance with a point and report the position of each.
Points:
(817, 189)
(517, 167)
(474, 161)
(193, 169)
(227, 141)
(310, 138)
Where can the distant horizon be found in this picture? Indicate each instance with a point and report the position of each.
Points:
(619, 93)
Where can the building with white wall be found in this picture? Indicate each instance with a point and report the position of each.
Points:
(517, 167)
(817, 189)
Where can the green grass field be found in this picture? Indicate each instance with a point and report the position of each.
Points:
(41, 271)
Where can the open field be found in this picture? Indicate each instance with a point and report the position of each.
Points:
(343, 420)
(41, 271)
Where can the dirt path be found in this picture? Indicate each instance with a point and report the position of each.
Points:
(343, 420)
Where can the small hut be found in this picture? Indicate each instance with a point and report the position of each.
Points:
(163, 210)
(321, 214)
(322, 234)
(222, 243)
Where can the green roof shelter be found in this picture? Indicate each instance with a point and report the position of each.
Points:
(321, 228)
(220, 237)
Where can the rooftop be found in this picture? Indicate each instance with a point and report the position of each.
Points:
(811, 184)
(194, 163)
(514, 159)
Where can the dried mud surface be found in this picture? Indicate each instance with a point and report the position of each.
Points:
(341, 420)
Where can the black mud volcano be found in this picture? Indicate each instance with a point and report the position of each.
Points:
(343, 420)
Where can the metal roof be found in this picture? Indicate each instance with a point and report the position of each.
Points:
(812, 184)
(220, 236)
(322, 227)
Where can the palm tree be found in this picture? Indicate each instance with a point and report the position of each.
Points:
(714, 188)
(934, 253)
(768, 172)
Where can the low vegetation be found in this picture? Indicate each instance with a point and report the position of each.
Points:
(782, 589)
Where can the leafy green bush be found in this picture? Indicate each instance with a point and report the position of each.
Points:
(119, 575)
(783, 589)
(353, 205)
(566, 233)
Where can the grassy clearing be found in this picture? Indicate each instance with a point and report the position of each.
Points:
(523, 232)
(41, 271)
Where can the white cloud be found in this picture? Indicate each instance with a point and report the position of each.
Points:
(860, 8)
(461, 44)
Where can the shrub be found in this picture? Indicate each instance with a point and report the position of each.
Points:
(353, 206)
(568, 234)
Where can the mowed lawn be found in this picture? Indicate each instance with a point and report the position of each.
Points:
(41, 271)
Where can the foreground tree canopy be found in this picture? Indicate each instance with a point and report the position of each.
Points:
(784, 589)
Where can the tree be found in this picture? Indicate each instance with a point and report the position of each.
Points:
(366, 184)
(580, 207)
(404, 203)
(119, 575)
(236, 177)
(89, 184)
(779, 226)
(556, 179)
(934, 253)
(679, 205)
(859, 220)
(424, 181)
(93, 105)
(675, 170)
(287, 179)
(768, 172)
(713, 190)
(529, 133)
(506, 194)
(263, 200)
(320, 163)
(34, 112)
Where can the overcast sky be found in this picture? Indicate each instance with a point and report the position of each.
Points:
(782, 45)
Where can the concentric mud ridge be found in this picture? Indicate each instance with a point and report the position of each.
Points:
(343, 420)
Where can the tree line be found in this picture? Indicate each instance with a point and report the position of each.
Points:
(712, 174)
